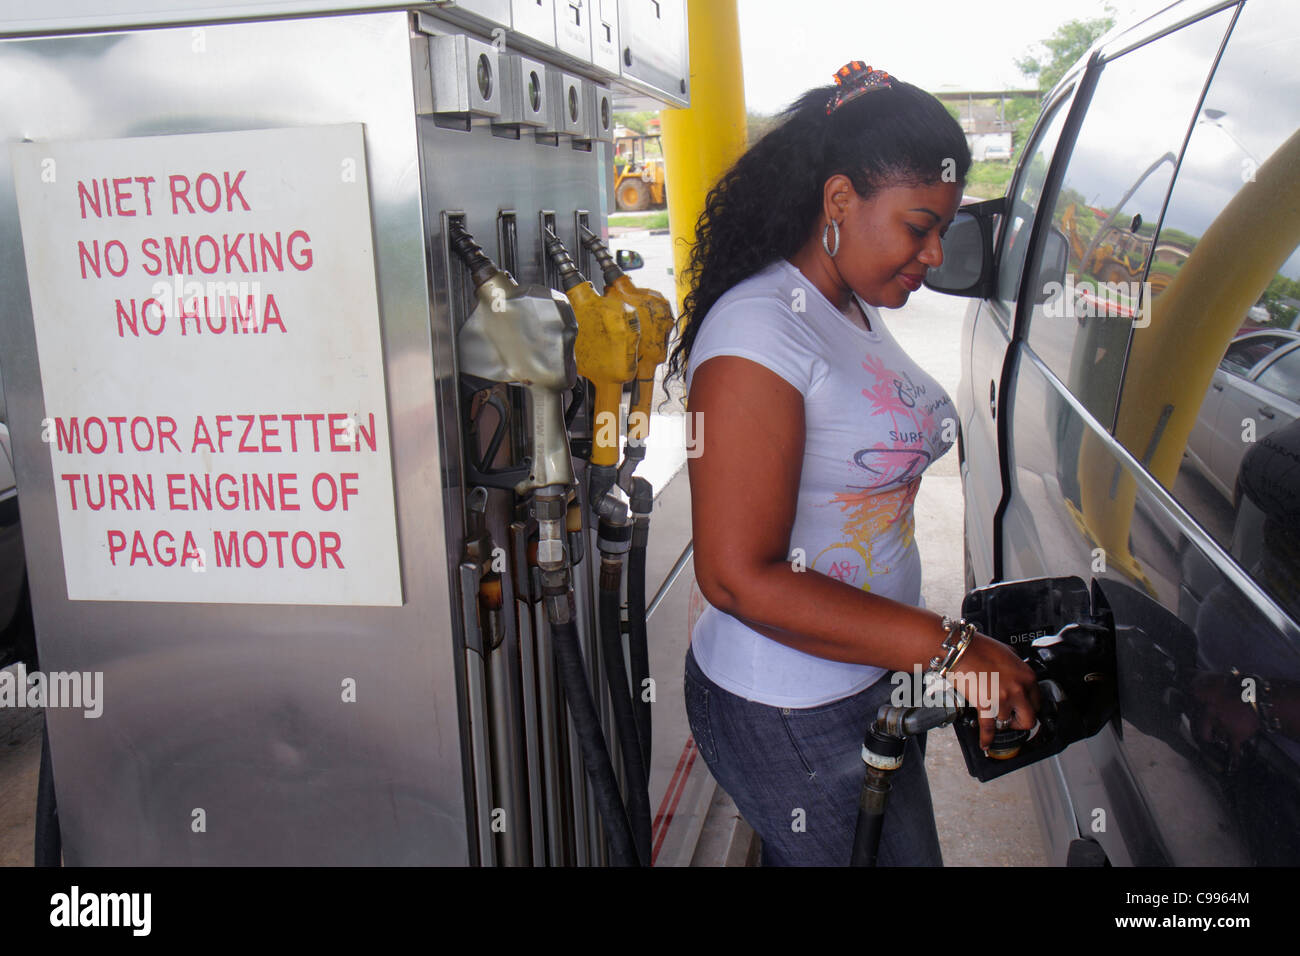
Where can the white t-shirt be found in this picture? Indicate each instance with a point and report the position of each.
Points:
(873, 422)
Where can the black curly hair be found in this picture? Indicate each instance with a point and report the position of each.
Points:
(766, 206)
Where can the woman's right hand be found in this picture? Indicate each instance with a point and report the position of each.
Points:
(1008, 690)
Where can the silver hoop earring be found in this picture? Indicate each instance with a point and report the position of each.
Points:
(826, 238)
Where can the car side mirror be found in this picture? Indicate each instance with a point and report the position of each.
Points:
(1051, 268)
(628, 260)
(967, 268)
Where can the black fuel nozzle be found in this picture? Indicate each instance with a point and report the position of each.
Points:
(1066, 635)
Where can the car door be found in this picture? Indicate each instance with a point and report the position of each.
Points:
(1203, 765)
(987, 333)
(1082, 305)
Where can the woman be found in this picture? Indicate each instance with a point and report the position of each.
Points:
(817, 429)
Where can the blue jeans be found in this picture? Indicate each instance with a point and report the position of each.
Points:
(795, 774)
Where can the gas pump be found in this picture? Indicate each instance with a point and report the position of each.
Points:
(1067, 637)
(525, 337)
(409, 708)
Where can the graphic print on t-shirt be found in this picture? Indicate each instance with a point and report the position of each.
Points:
(890, 475)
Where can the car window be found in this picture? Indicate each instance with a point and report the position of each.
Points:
(1023, 204)
(1244, 355)
(1228, 263)
(1282, 376)
(1105, 213)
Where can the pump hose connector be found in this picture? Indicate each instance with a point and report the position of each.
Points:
(471, 253)
(609, 269)
(568, 269)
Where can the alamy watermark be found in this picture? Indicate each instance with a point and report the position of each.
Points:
(127, 910)
(74, 689)
(1106, 300)
(963, 689)
(638, 423)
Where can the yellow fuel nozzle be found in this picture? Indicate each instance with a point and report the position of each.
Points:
(656, 316)
(609, 335)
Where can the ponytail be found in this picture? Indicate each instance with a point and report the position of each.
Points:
(766, 206)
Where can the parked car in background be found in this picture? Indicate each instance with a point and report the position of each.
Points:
(1117, 424)
(1256, 388)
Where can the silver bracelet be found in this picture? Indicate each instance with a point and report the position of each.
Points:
(959, 635)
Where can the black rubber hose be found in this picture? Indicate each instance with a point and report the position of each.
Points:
(638, 795)
(638, 648)
(871, 814)
(600, 769)
(866, 838)
(48, 839)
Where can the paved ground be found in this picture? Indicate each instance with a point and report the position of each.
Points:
(20, 761)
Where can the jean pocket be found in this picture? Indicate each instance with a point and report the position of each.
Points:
(802, 752)
(822, 736)
(697, 715)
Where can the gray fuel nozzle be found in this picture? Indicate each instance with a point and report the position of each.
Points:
(522, 336)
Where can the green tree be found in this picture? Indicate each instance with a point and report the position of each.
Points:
(637, 122)
(1070, 41)
(1059, 52)
(1021, 112)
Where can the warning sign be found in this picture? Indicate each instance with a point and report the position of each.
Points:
(208, 333)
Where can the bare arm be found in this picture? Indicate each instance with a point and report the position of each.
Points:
(744, 491)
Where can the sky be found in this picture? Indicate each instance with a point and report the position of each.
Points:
(934, 44)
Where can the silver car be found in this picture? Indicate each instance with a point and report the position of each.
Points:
(1255, 391)
(1124, 419)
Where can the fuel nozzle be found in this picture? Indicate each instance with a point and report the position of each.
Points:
(609, 334)
(655, 314)
(522, 336)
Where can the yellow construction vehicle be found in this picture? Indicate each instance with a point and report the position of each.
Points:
(638, 171)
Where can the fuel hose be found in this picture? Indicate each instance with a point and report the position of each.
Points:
(642, 499)
(638, 796)
(595, 755)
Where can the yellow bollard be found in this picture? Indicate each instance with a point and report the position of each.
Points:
(702, 142)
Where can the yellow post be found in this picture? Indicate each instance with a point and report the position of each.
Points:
(701, 143)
